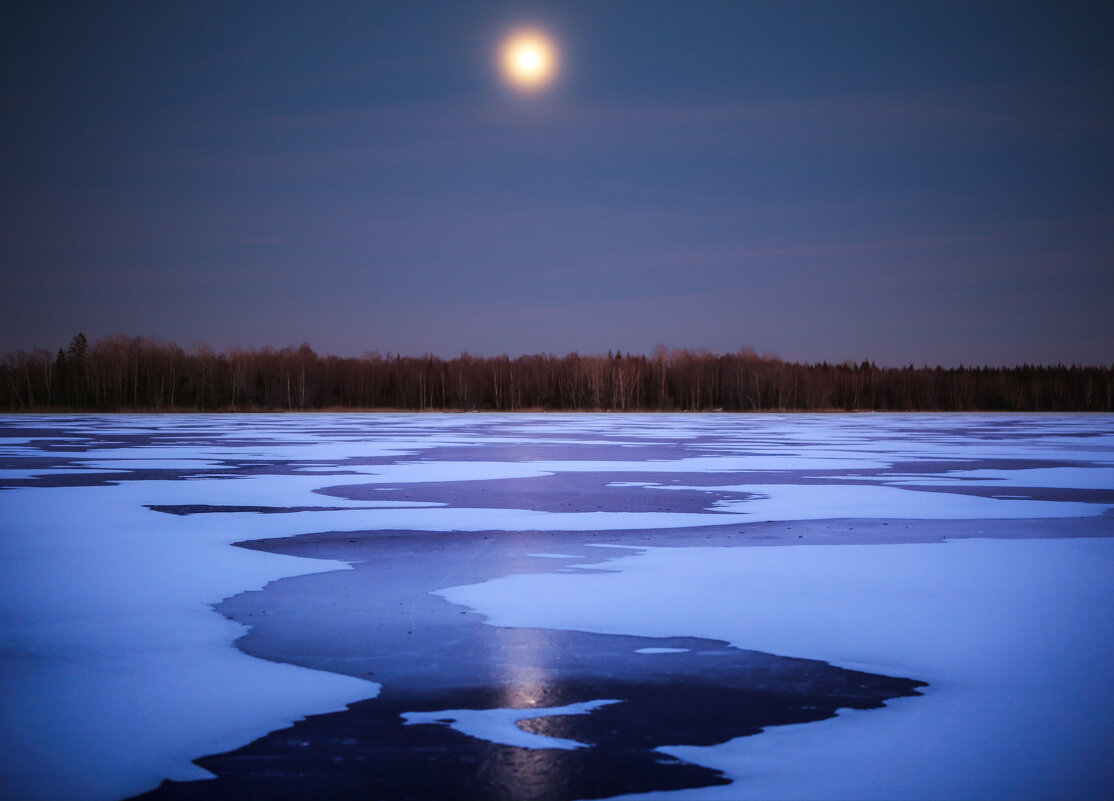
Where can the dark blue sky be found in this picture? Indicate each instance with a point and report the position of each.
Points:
(925, 182)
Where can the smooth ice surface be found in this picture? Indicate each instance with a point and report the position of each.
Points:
(500, 725)
(1015, 637)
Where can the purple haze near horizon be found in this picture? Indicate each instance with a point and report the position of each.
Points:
(902, 182)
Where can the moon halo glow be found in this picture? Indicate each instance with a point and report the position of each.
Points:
(528, 59)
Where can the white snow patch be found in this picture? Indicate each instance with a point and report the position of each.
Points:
(662, 651)
(116, 671)
(827, 501)
(1096, 478)
(500, 725)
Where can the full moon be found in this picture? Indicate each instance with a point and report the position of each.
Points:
(528, 59)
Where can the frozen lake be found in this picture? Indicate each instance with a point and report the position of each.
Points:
(557, 606)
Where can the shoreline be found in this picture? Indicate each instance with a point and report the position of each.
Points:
(54, 412)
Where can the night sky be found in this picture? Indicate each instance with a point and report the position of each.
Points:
(908, 182)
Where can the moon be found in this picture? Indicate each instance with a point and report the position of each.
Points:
(528, 59)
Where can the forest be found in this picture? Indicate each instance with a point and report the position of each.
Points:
(121, 373)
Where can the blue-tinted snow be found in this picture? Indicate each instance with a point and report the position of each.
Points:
(1015, 637)
(500, 725)
(116, 673)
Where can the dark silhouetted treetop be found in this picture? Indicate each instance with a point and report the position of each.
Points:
(120, 372)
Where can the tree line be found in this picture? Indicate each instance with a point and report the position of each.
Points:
(137, 373)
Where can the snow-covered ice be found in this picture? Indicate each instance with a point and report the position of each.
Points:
(116, 673)
(500, 725)
(1014, 637)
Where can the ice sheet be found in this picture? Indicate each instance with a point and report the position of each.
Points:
(825, 501)
(1015, 637)
(1048, 477)
(116, 673)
